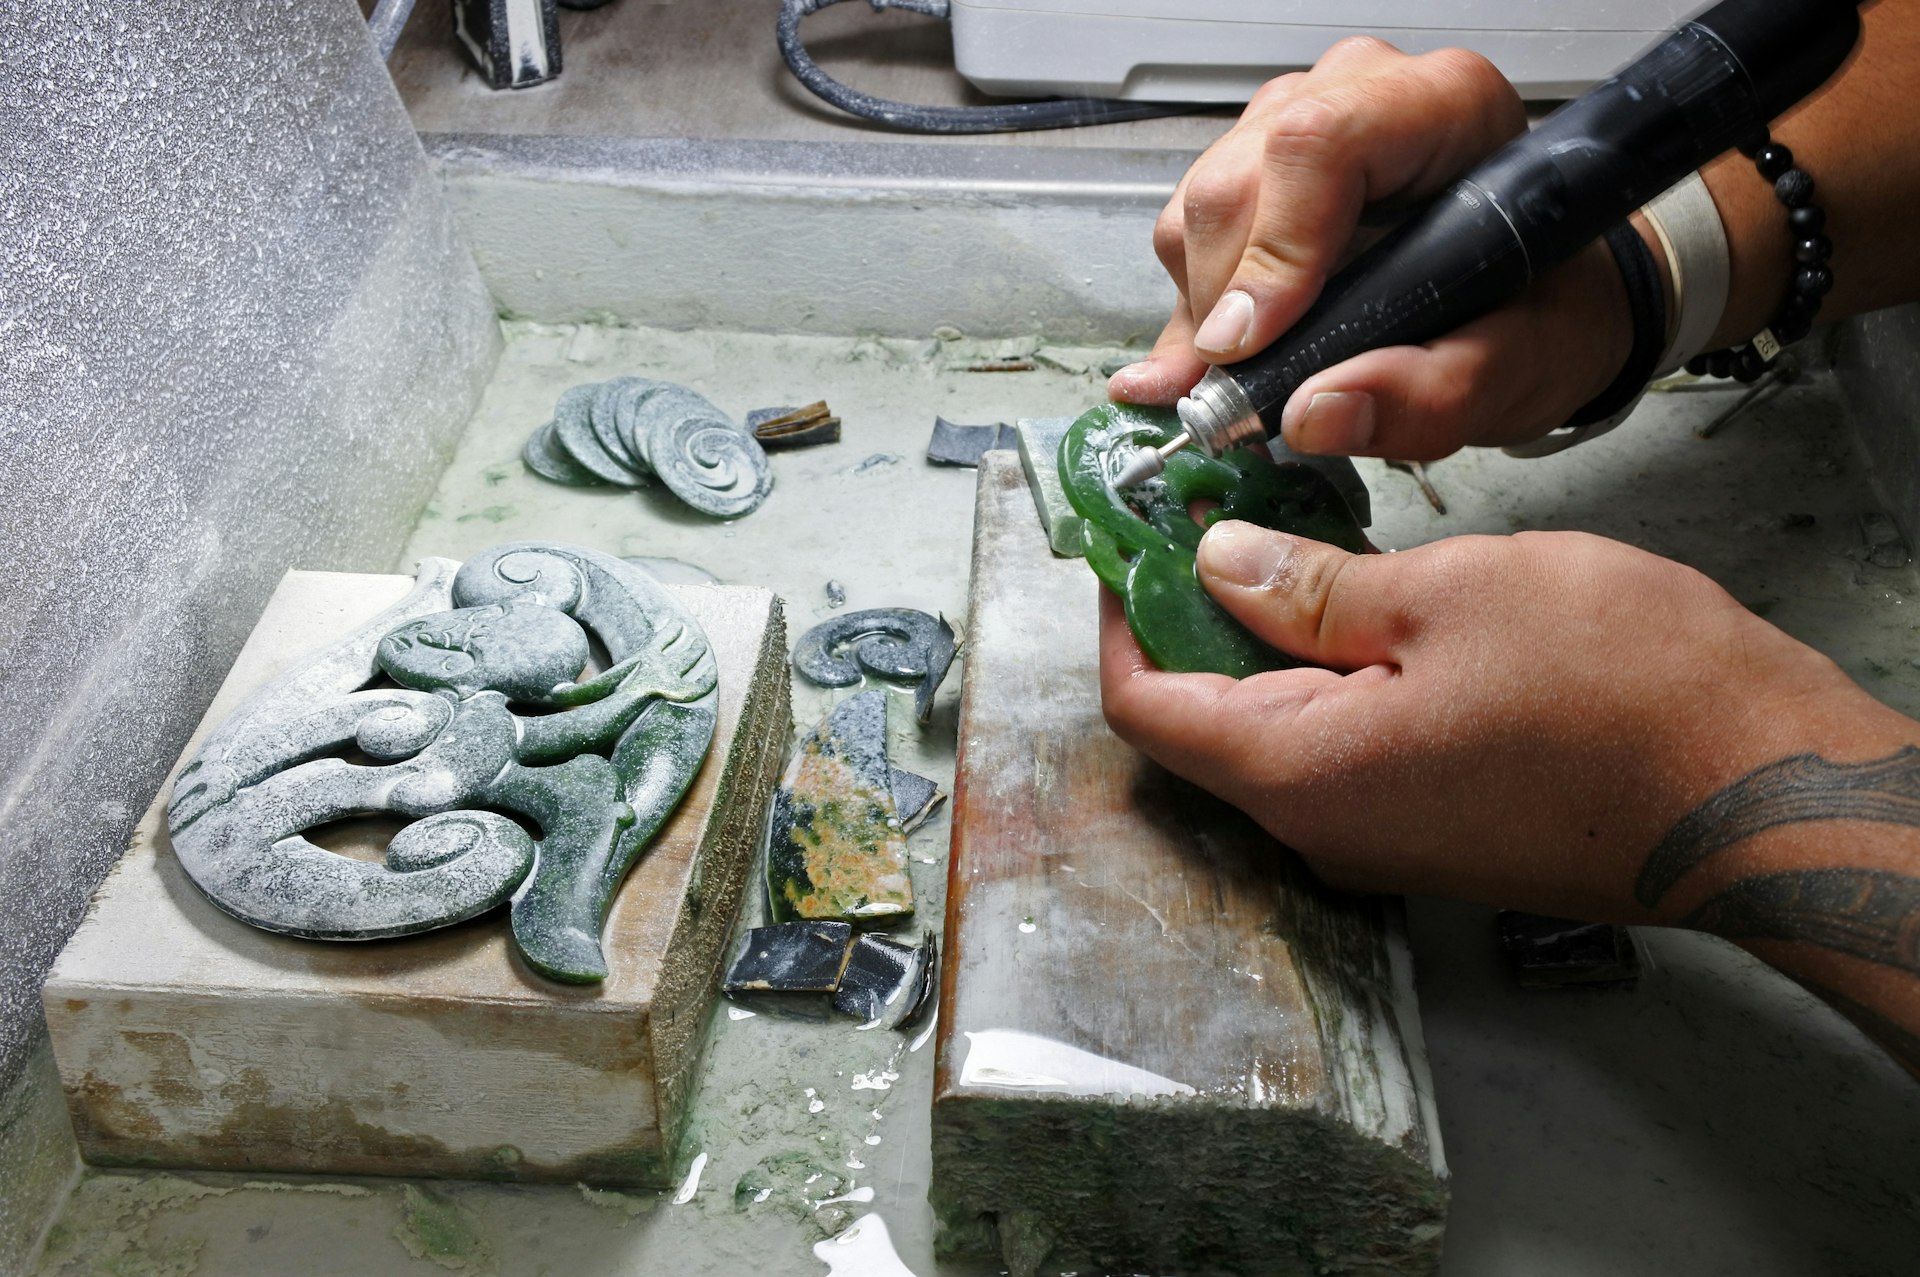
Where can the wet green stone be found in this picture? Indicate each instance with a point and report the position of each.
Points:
(1142, 543)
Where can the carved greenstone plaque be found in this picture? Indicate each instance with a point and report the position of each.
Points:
(464, 709)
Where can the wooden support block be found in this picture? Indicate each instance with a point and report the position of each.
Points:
(187, 1038)
(1163, 1047)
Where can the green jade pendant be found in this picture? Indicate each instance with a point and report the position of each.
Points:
(1142, 543)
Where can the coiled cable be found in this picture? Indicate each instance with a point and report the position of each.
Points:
(1010, 117)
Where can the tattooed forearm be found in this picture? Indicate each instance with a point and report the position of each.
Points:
(1866, 914)
(1791, 791)
(1872, 915)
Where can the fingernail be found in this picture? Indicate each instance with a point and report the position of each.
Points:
(1333, 423)
(1241, 554)
(1230, 324)
(1128, 378)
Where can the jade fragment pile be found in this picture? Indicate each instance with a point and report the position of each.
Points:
(1141, 543)
(631, 430)
(800, 966)
(483, 712)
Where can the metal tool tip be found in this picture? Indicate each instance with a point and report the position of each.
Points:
(1144, 464)
(1147, 463)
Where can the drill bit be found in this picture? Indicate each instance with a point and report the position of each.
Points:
(1147, 463)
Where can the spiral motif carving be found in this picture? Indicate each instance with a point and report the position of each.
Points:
(893, 643)
(631, 430)
(710, 465)
(597, 765)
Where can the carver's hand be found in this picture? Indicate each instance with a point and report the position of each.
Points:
(1515, 720)
(1270, 211)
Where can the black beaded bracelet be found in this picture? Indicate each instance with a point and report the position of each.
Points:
(1812, 278)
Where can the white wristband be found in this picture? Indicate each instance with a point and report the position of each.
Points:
(1687, 223)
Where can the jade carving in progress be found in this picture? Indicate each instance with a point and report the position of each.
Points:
(490, 715)
(1142, 543)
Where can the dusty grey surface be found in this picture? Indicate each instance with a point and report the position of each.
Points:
(849, 236)
(1717, 1121)
(1878, 357)
(235, 332)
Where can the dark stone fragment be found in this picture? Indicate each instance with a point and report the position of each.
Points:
(914, 797)
(791, 957)
(1555, 953)
(953, 445)
(886, 982)
(827, 431)
(1808, 219)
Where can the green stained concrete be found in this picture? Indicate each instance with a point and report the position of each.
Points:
(441, 1231)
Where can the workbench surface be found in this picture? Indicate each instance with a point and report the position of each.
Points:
(1715, 1121)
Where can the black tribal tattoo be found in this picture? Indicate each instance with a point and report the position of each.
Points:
(1805, 787)
(1868, 914)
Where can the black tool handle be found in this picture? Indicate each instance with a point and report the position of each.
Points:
(1708, 87)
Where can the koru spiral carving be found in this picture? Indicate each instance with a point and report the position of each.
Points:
(631, 430)
(597, 769)
(893, 643)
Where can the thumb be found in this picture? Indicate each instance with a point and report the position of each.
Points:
(1309, 599)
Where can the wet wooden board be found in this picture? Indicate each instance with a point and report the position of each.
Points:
(187, 1038)
(1162, 1047)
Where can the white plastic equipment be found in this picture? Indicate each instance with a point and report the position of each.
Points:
(1222, 50)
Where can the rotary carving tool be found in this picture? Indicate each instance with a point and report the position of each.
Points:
(1710, 86)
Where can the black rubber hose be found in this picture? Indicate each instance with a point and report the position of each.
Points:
(1011, 117)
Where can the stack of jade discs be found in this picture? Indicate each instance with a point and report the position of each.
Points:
(632, 430)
